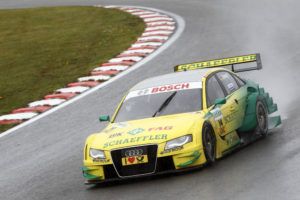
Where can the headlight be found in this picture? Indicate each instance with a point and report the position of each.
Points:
(178, 141)
(95, 153)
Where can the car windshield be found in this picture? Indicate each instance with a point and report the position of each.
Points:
(160, 104)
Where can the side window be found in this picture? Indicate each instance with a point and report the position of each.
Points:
(213, 91)
(228, 82)
(239, 81)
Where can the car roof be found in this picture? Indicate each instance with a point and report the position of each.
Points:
(173, 78)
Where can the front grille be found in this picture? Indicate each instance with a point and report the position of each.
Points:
(136, 169)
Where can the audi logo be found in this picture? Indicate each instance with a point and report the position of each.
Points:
(133, 152)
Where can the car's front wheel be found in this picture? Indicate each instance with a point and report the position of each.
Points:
(209, 143)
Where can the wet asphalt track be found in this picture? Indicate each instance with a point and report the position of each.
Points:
(43, 160)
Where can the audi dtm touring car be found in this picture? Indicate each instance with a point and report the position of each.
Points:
(180, 120)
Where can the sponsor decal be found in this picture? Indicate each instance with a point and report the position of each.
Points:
(218, 116)
(230, 86)
(171, 150)
(232, 139)
(166, 128)
(136, 131)
(235, 138)
(135, 140)
(134, 160)
(230, 117)
(169, 88)
(222, 128)
(164, 88)
(120, 125)
(217, 113)
(115, 135)
(215, 63)
(101, 160)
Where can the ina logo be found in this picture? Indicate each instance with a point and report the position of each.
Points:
(136, 131)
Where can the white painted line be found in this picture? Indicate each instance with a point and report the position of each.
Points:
(20, 116)
(160, 27)
(111, 6)
(112, 67)
(145, 44)
(157, 32)
(94, 78)
(158, 18)
(77, 89)
(172, 39)
(50, 102)
(153, 38)
(134, 58)
(138, 51)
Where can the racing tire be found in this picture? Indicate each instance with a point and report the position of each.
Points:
(261, 113)
(209, 143)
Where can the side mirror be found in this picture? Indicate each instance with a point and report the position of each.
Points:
(104, 118)
(220, 101)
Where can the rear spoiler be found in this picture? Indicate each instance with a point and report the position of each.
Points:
(224, 62)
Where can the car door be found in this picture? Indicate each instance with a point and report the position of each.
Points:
(234, 111)
(215, 91)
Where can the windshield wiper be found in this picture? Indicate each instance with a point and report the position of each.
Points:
(165, 103)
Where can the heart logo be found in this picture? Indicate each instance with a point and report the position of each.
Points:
(131, 159)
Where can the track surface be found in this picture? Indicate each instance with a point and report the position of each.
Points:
(43, 160)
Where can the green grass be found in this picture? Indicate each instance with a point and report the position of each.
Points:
(43, 49)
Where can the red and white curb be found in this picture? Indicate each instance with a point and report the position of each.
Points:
(159, 28)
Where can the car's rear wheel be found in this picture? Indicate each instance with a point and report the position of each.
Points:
(209, 143)
(261, 117)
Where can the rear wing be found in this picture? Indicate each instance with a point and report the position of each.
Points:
(224, 62)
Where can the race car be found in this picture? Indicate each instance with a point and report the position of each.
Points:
(181, 121)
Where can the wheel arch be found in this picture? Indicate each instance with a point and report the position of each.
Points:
(253, 93)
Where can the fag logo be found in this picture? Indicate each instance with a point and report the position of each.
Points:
(161, 128)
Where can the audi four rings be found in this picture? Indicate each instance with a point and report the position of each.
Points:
(133, 152)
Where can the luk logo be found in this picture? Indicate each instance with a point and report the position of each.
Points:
(136, 131)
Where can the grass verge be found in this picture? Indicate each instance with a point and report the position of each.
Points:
(43, 49)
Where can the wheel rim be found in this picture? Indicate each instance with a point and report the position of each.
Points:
(261, 117)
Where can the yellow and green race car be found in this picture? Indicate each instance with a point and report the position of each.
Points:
(180, 121)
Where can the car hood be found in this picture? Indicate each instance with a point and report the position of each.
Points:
(145, 131)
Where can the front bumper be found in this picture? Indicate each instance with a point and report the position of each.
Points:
(171, 171)
(175, 160)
